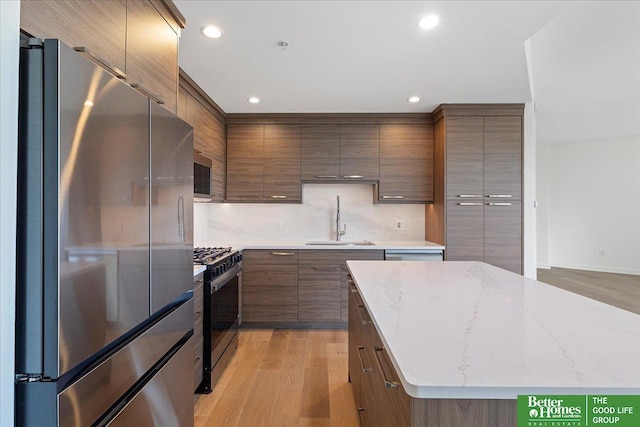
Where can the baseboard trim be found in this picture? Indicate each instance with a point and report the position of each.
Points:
(597, 268)
(544, 266)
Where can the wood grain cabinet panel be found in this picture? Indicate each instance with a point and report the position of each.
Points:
(319, 292)
(503, 234)
(245, 162)
(359, 152)
(320, 152)
(198, 329)
(208, 140)
(100, 26)
(282, 163)
(503, 156)
(406, 163)
(465, 157)
(465, 230)
(270, 286)
(152, 53)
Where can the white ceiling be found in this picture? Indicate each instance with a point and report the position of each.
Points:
(360, 56)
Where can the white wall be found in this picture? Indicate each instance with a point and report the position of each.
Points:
(314, 219)
(595, 205)
(9, 43)
(585, 67)
(528, 200)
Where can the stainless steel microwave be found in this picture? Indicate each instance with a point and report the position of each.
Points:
(201, 178)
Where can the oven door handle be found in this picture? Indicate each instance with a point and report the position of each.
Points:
(219, 282)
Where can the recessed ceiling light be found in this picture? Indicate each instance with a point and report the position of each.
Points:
(414, 99)
(254, 100)
(211, 31)
(429, 22)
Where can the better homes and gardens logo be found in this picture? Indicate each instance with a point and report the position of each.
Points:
(578, 411)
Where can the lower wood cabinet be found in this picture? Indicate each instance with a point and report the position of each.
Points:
(380, 398)
(198, 328)
(305, 286)
(269, 286)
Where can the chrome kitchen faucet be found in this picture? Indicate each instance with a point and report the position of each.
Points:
(339, 233)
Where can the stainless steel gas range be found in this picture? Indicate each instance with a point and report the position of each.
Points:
(222, 281)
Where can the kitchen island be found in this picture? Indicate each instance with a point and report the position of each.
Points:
(455, 343)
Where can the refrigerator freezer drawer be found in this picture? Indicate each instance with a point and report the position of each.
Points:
(90, 397)
(164, 401)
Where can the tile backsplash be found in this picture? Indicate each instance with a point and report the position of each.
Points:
(314, 219)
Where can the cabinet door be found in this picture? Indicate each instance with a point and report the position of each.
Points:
(208, 140)
(100, 26)
(503, 156)
(359, 152)
(245, 145)
(465, 157)
(465, 231)
(354, 254)
(282, 163)
(270, 286)
(319, 293)
(406, 163)
(503, 234)
(320, 152)
(152, 53)
(355, 346)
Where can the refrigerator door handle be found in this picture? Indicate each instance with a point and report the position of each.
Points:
(181, 231)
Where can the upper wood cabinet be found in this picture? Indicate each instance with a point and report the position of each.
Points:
(99, 26)
(282, 163)
(245, 162)
(406, 163)
(359, 152)
(263, 163)
(320, 152)
(503, 156)
(152, 53)
(136, 38)
(465, 157)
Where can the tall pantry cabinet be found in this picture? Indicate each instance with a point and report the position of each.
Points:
(477, 209)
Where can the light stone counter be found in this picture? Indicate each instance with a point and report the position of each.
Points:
(197, 269)
(301, 244)
(472, 330)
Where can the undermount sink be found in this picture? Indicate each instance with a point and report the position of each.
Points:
(341, 243)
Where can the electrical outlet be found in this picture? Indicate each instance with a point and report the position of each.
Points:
(401, 224)
(278, 226)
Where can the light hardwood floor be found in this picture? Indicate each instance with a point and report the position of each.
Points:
(282, 378)
(619, 290)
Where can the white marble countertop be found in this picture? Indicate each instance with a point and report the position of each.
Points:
(197, 269)
(472, 330)
(301, 244)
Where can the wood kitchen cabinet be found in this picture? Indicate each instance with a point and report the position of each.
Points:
(99, 26)
(320, 152)
(263, 163)
(477, 209)
(359, 152)
(406, 163)
(209, 133)
(198, 328)
(269, 286)
(152, 54)
(136, 38)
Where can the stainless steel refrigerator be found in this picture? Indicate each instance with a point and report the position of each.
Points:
(105, 245)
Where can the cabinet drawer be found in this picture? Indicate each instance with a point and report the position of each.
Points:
(339, 256)
(268, 258)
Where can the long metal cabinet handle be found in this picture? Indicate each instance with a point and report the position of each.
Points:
(353, 176)
(499, 196)
(114, 70)
(364, 370)
(470, 196)
(282, 253)
(499, 204)
(393, 197)
(353, 288)
(327, 268)
(470, 204)
(387, 383)
(326, 176)
(275, 196)
(148, 93)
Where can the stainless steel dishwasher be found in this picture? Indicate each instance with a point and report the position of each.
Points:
(413, 255)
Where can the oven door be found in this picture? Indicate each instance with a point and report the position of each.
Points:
(224, 306)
